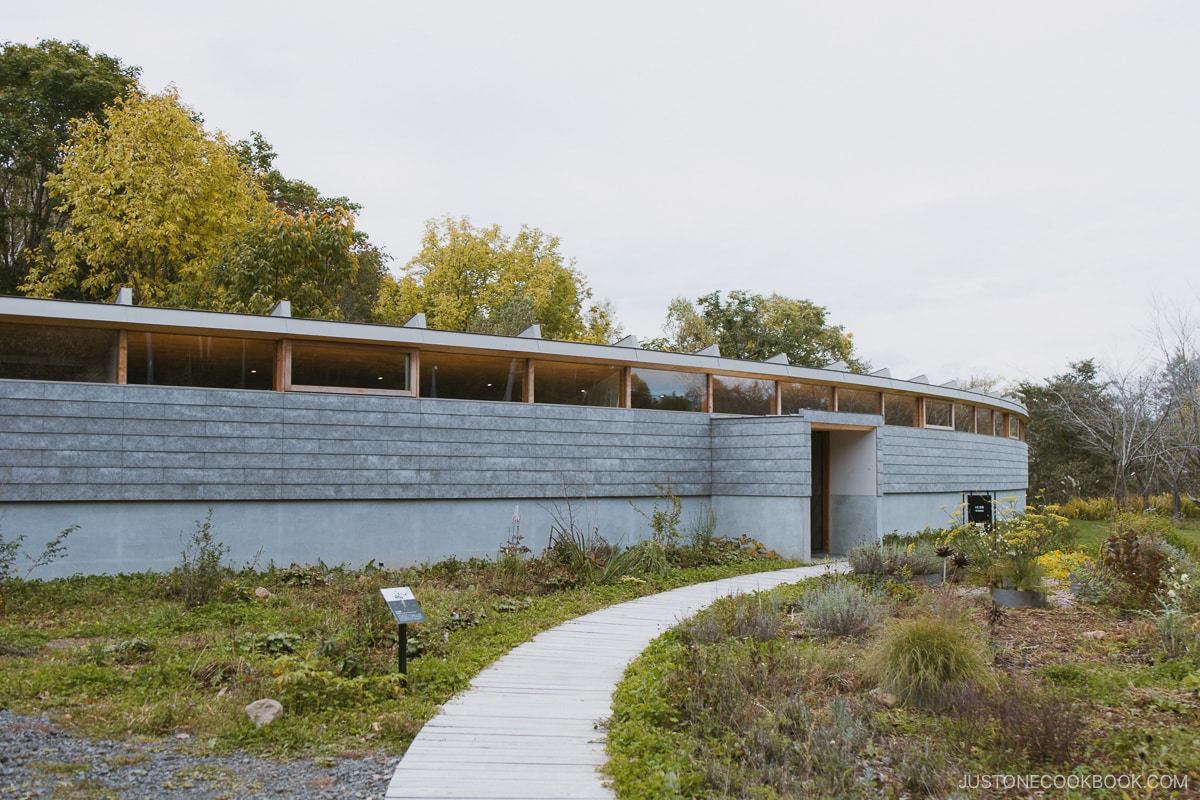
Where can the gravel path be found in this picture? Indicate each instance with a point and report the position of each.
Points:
(39, 759)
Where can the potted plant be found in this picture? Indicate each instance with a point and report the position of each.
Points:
(1007, 552)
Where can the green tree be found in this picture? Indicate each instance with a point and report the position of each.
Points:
(1102, 419)
(42, 89)
(600, 323)
(152, 198)
(305, 258)
(477, 279)
(1061, 465)
(1180, 446)
(758, 327)
(309, 252)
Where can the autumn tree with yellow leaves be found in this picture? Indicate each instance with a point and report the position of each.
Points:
(477, 279)
(151, 199)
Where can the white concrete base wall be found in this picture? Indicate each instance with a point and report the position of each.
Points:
(853, 519)
(134, 537)
(780, 523)
(910, 513)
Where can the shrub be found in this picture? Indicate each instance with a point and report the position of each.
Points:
(664, 521)
(512, 574)
(649, 557)
(1181, 582)
(866, 558)
(926, 535)
(923, 661)
(1093, 585)
(577, 546)
(55, 549)
(922, 770)
(1007, 553)
(1136, 558)
(1176, 631)
(1095, 508)
(306, 575)
(1146, 523)
(1043, 726)
(1099, 508)
(905, 559)
(840, 608)
(1059, 564)
(753, 730)
(589, 556)
(198, 577)
(702, 527)
(1186, 547)
(741, 617)
(302, 685)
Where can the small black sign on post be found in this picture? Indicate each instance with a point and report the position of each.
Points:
(405, 608)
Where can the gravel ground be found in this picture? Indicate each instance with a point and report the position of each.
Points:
(39, 759)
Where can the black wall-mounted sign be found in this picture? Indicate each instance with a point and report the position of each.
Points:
(979, 509)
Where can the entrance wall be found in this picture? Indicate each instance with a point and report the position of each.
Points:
(853, 489)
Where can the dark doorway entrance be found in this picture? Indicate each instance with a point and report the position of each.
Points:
(819, 502)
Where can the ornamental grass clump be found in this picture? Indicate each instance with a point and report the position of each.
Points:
(924, 661)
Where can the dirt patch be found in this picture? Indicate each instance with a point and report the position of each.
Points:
(1028, 638)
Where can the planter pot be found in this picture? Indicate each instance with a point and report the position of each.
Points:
(1018, 598)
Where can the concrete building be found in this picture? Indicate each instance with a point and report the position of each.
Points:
(349, 443)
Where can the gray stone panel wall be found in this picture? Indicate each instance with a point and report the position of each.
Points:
(921, 460)
(761, 457)
(88, 442)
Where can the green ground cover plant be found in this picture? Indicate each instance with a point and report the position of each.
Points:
(181, 653)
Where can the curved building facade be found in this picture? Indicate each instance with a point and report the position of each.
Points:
(350, 443)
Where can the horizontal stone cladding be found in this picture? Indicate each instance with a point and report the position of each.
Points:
(761, 457)
(92, 442)
(915, 460)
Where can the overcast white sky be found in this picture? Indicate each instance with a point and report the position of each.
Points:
(970, 188)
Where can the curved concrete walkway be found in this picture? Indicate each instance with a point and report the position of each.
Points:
(526, 729)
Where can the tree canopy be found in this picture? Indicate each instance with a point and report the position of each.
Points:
(309, 252)
(42, 89)
(757, 327)
(155, 202)
(477, 279)
(1062, 465)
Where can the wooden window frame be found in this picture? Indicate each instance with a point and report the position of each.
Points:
(288, 386)
(924, 414)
